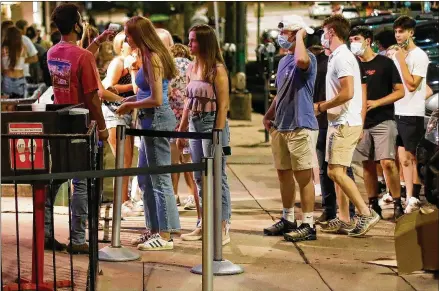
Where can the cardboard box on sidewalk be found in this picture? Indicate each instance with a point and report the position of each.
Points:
(417, 241)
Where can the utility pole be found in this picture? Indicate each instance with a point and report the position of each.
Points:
(258, 31)
(230, 36)
(241, 30)
(240, 98)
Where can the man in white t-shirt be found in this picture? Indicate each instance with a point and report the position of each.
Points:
(412, 63)
(30, 48)
(346, 108)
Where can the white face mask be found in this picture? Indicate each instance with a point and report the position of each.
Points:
(324, 42)
(357, 48)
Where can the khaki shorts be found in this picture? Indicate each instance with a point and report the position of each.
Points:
(294, 150)
(341, 142)
(378, 143)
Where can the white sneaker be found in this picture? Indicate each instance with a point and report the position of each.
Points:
(413, 204)
(318, 190)
(130, 209)
(190, 203)
(226, 235)
(196, 234)
(386, 201)
(156, 243)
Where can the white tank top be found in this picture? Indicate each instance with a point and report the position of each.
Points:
(6, 61)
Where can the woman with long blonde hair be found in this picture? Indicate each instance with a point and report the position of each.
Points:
(151, 85)
(206, 109)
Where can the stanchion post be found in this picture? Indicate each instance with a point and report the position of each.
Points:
(208, 237)
(117, 200)
(115, 252)
(221, 267)
(217, 196)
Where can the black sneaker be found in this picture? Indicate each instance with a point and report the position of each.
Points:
(49, 244)
(280, 228)
(324, 218)
(364, 224)
(376, 207)
(302, 233)
(398, 210)
(381, 187)
(337, 226)
(78, 249)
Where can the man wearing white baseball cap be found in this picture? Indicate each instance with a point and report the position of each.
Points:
(293, 128)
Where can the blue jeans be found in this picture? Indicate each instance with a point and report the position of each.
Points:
(161, 213)
(329, 198)
(204, 123)
(79, 207)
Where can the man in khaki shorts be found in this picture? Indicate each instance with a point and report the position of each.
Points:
(294, 131)
(346, 108)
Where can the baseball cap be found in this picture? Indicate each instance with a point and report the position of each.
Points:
(293, 23)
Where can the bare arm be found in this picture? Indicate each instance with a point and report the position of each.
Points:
(114, 73)
(222, 91)
(429, 92)
(364, 104)
(398, 93)
(31, 60)
(346, 94)
(93, 104)
(271, 112)
(300, 54)
(411, 81)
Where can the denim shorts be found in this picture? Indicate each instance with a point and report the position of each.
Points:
(14, 87)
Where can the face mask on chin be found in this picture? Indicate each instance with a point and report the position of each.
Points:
(404, 44)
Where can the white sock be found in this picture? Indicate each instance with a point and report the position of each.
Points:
(308, 217)
(380, 178)
(288, 214)
(402, 183)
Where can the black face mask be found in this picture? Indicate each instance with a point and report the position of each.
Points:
(80, 32)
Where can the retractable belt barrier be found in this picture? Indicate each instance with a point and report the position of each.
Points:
(211, 168)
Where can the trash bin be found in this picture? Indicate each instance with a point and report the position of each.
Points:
(50, 155)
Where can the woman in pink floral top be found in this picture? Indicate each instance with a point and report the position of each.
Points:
(177, 96)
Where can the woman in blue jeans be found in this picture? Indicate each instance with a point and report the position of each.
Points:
(152, 73)
(206, 108)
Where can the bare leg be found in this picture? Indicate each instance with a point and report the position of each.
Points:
(175, 160)
(338, 174)
(370, 178)
(406, 159)
(306, 187)
(392, 177)
(287, 187)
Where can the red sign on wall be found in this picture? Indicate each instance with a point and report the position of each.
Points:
(25, 155)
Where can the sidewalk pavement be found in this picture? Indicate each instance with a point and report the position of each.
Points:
(332, 262)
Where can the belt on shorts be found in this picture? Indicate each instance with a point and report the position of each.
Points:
(200, 113)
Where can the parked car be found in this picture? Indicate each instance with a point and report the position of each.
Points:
(426, 37)
(350, 12)
(319, 9)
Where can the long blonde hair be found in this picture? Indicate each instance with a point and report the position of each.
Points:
(147, 40)
(209, 50)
